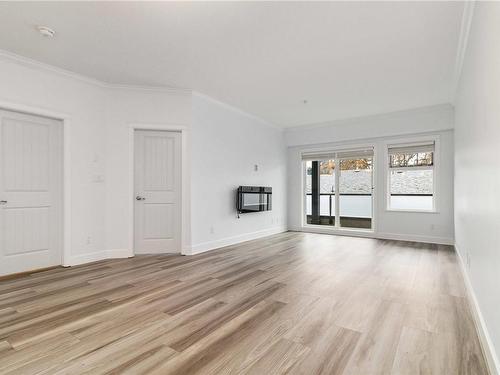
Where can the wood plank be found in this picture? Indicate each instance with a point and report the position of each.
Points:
(294, 302)
(376, 350)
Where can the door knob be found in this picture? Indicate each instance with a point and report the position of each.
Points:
(3, 202)
(139, 198)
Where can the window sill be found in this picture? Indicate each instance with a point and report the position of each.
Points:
(412, 211)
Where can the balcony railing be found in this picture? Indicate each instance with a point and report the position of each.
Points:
(350, 206)
(356, 208)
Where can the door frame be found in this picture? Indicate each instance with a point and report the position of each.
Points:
(185, 181)
(66, 173)
(336, 229)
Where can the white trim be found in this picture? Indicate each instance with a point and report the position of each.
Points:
(374, 235)
(66, 120)
(338, 148)
(303, 195)
(67, 189)
(412, 211)
(162, 89)
(99, 255)
(492, 360)
(325, 229)
(463, 39)
(416, 238)
(237, 110)
(185, 181)
(381, 115)
(31, 63)
(414, 168)
(211, 245)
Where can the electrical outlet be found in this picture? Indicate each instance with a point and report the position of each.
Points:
(212, 230)
(89, 240)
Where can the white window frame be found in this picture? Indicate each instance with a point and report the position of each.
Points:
(435, 168)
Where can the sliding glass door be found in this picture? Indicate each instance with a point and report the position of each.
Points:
(351, 204)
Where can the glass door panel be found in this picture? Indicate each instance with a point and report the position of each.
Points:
(320, 192)
(355, 193)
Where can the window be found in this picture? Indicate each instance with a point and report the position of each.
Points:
(411, 177)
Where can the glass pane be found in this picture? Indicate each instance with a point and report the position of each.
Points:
(251, 199)
(356, 193)
(417, 159)
(412, 189)
(326, 191)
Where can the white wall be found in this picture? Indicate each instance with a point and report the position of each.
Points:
(226, 144)
(125, 107)
(419, 120)
(376, 130)
(477, 174)
(83, 102)
(99, 118)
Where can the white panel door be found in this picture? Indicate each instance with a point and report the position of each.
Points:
(157, 192)
(30, 192)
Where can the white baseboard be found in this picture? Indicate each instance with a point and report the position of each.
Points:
(99, 255)
(211, 245)
(484, 337)
(333, 231)
(377, 235)
(416, 238)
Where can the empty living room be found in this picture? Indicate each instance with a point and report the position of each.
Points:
(254, 187)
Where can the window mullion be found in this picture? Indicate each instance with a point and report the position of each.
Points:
(315, 193)
(337, 192)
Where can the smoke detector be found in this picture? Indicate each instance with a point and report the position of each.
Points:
(46, 31)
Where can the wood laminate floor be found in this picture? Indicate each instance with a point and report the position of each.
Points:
(291, 303)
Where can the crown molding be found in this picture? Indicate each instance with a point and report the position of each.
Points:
(163, 89)
(237, 110)
(463, 39)
(34, 64)
(30, 63)
(383, 115)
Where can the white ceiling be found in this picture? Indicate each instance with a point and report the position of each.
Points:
(346, 58)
